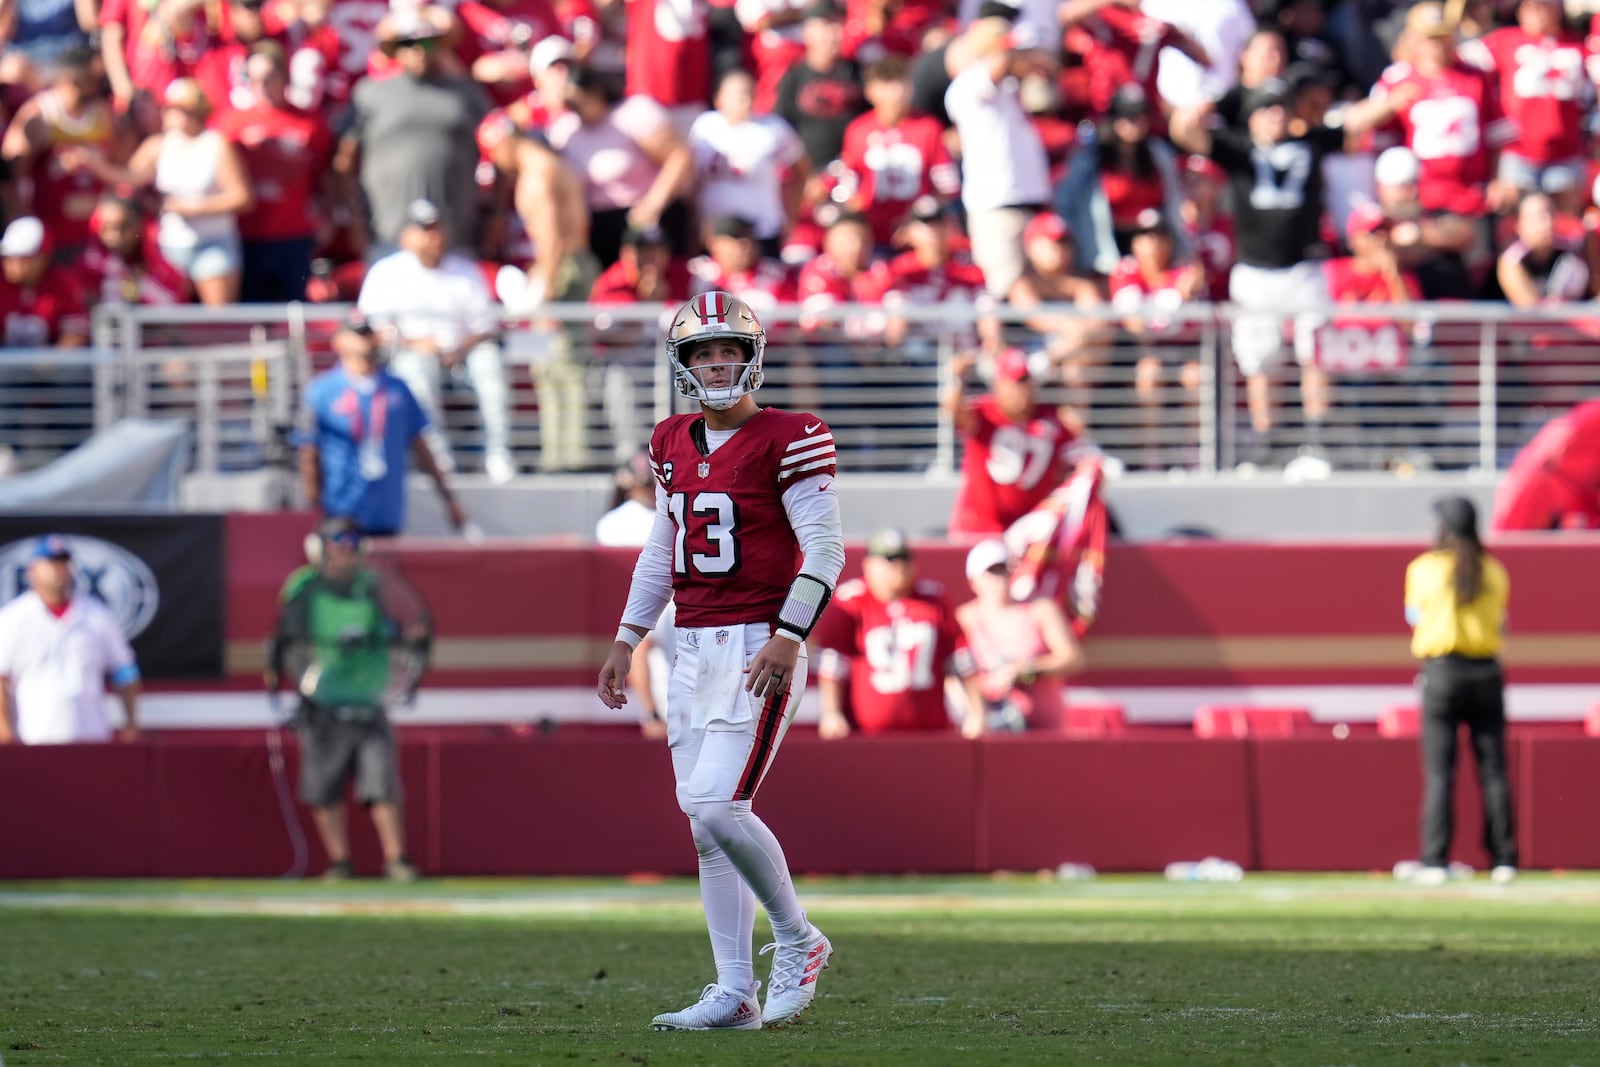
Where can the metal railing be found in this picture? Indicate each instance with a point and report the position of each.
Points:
(1446, 386)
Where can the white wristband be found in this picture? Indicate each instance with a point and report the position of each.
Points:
(629, 636)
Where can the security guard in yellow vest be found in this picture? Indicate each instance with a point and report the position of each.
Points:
(1456, 596)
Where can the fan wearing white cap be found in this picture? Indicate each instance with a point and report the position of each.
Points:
(1432, 244)
(1024, 650)
(41, 305)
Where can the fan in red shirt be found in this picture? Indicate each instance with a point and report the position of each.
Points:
(645, 272)
(52, 141)
(286, 155)
(887, 641)
(1546, 91)
(123, 263)
(734, 264)
(221, 70)
(1017, 452)
(1121, 45)
(928, 274)
(877, 28)
(669, 53)
(1451, 115)
(1210, 231)
(837, 276)
(329, 42)
(497, 38)
(41, 305)
(891, 157)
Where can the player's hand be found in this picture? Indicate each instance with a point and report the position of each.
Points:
(972, 727)
(614, 675)
(833, 725)
(961, 365)
(458, 514)
(653, 727)
(129, 732)
(772, 671)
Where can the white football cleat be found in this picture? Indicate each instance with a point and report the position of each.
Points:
(794, 977)
(1432, 876)
(1503, 874)
(719, 1008)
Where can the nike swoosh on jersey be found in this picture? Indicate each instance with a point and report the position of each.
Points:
(823, 488)
(811, 427)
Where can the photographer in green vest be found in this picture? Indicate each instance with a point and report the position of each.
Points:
(341, 643)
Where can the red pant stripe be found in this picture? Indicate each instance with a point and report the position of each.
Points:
(761, 751)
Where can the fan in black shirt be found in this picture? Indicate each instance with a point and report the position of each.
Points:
(822, 92)
(1276, 185)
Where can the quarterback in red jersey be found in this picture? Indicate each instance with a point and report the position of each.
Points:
(888, 640)
(1017, 452)
(742, 491)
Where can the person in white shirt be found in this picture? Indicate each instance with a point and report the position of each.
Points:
(437, 307)
(58, 647)
(1005, 176)
(628, 525)
(753, 166)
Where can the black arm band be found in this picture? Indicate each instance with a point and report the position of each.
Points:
(800, 612)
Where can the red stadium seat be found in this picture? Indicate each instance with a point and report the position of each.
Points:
(1245, 720)
(1094, 720)
(1402, 720)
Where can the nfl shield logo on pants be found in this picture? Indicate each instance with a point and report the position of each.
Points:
(722, 637)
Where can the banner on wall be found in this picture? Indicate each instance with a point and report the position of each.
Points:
(161, 576)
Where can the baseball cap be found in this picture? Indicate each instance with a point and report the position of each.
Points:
(650, 235)
(889, 544)
(1011, 365)
(52, 546)
(1366, 218)
(1273, 92)
(1130, 102)
(733, 226)
(1458, 515)
(412, 24)
(1045, 226)
(1150, 220)
(987, 554)
(1396, 166)
(356, 322)
(1205, 167)
(423, 213)
(547, 53)
(24, 237)
(1428, 19)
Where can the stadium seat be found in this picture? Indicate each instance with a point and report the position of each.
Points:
(1246, 720)
(1094, 720)
(1401, 720)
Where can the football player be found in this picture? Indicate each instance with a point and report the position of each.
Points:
(741, 490)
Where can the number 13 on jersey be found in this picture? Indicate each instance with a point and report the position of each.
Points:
(710, 518)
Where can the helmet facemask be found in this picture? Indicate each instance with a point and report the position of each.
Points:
(719, 317)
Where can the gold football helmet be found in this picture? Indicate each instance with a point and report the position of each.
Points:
(716, 315)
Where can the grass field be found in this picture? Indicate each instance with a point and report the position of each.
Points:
(1291, 970)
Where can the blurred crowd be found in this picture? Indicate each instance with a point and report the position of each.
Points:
(1135, 154)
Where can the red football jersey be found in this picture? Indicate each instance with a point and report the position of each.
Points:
(618, 284)
(1217, 249)
(904, 280)
(285, 154)
(1451, 126)
(1121, 45)
(890, 166)
(35, 317)
(669, 51)
(734, 553)
(1151, 301)
(1544, 87)
(1009, 468)
(108, 278)
(896, 654)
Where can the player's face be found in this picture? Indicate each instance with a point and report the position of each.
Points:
(117, 229)
(1264, 57)
(1015, 399)
(1269, 124)
(888, 579)
(848, 244)
(1432, 52)
(993, 584)
(891, 98)
(733, 254)
(1132, 130)
(339, 558)
(50, 578)
(1203, 191)
(24, 270)
(717, 362)
(1047, 256)
(1536, 223)
(930, 240)
(1152, 249)
(736, 97)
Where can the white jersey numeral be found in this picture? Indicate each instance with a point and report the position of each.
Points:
(723, 520)
(1281, 175)
(900, 655)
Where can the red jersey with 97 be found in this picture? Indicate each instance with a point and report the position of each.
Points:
(1451, 123)
(1010, 467)
(897, 652)
(734, 554)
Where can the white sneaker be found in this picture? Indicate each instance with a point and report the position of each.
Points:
(1407, 870)
(1503, 874)
(794, 977)
(1432, 876)
(719, 1008)
(498, 466)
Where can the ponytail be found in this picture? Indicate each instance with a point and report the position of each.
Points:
(1468, 553)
